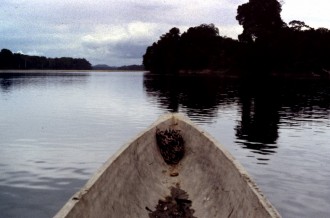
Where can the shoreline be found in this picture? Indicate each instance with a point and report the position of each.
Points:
(59, 71)
(224, 73)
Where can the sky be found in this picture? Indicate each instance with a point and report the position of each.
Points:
(117, 32)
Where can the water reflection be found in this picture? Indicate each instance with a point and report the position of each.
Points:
(195, 95)
(264, 106)
(10, 79)
(257, 128)
(22, 201)
(55, 132)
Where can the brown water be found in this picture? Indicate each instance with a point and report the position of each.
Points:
(57, 128)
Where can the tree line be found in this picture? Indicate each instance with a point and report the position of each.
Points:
(199, 48)
(9, 60)
(266, 45)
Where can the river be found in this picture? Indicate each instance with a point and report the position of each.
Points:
(58, 128)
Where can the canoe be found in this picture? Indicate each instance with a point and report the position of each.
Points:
(172, 169)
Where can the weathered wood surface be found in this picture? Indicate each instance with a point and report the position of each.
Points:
(131, 183)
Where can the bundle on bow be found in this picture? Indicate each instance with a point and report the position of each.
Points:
(171, 145)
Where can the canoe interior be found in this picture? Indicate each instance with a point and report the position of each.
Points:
(131, 183)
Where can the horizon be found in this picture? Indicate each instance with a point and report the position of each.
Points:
(117, 34)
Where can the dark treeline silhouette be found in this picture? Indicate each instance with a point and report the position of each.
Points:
(199, 48)
(266, 45)
(9, 60)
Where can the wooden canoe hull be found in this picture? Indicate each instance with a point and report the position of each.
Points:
(136, 178)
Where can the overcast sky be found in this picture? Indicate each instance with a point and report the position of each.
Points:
(117, 32)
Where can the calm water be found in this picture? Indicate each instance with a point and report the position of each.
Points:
(56, 129)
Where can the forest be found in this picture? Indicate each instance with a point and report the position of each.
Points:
(9, 60)
(266, 46)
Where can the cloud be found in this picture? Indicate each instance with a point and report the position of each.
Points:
(120, 44)
(112, 32)
(314, 14)
(118, 32)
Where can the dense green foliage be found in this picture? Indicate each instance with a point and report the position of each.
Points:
(9, 60)
(266, 45)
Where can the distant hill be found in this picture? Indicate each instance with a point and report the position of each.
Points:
(126, 67)
(102, 67)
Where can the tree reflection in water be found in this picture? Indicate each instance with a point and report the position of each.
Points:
(198, 96)
(258, 128)
(26, 78)
(263, 106)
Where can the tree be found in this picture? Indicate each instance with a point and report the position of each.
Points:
(6, 59)
(163, 56)
(260, 19)
(200, 47)
(299, 25)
